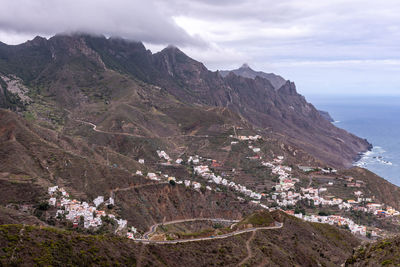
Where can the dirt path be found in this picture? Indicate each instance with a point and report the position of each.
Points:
(248, 247)
(136, 186)
(94, 128)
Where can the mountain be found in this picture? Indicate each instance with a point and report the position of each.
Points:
(174, 149)
(326, 115)
(74, 72)
(247, 72)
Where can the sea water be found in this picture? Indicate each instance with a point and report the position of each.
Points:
(376, 118)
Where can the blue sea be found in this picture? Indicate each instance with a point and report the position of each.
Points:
(376, 118)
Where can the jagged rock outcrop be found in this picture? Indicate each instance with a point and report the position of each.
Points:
(247, 72)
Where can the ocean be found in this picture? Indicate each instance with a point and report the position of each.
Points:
(376, 118)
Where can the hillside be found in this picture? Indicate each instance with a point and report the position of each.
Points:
(46, 158)
(107, 141)
(380, 253)
(323, 244)
(326, 115)
(86, 74)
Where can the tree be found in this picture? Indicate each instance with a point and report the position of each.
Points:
(44, 206)
(299, 210)
(323, 213)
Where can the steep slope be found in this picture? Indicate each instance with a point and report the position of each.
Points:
(288, 113)
(283, 110)
(33, 158)
(326, 115)
(74, 71)
(247, 72)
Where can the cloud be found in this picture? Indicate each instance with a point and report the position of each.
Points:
(336, 46)
(135, 19)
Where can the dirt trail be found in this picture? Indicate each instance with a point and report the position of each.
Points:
(248, 247)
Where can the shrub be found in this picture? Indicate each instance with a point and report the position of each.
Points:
(44, 206)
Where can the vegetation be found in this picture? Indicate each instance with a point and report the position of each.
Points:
(257, 219)
(385, 252)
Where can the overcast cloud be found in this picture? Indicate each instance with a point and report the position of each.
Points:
(335, 46)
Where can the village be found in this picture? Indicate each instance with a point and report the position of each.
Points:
(76, 211)
(284, 196)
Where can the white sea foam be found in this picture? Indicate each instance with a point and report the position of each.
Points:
(379, 149)
(374, 156)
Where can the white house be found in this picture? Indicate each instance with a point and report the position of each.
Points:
(98, 200)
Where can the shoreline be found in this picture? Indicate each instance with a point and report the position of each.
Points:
(361, 154)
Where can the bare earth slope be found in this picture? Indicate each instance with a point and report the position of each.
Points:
(72, 71)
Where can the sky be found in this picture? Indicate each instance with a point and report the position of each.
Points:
(326, 47)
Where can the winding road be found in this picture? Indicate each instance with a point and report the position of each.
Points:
(278, 225)
(153, 228)
(94, 127)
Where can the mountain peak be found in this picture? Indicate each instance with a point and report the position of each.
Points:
(172, 49)
(245, 66)
(247, 72)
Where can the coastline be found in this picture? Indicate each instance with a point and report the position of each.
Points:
(361, 154)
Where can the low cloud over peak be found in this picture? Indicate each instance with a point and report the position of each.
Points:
(135, 20)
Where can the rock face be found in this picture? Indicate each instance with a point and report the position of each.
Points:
(73, 70)
(247, 72)
(326, 115)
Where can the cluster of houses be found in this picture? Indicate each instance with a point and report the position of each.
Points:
(285, 191)
(367, 205)
(74, 210)
(333, 220)
(206, 173)
(313, 169)
(285, 188)
(285, 195)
